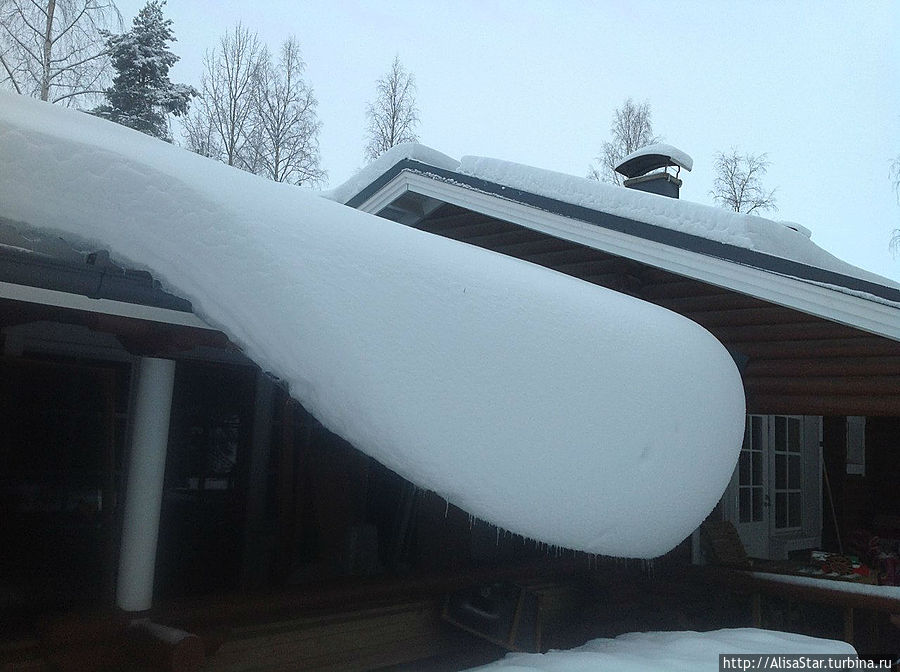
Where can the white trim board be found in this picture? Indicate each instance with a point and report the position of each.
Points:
(816, 299)
(52, 297)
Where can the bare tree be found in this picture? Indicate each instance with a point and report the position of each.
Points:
(895, 182)
(738, 184)
(393, 116)
(631, 129)
(285, 133)
(220, 122)
(55, 50)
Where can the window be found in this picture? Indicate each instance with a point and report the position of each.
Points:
(775, 495)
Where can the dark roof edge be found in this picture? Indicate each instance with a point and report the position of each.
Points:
(678, 239)
(95, 282)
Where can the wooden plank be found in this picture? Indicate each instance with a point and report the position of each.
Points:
(871, 346)
(600, 266)
(444, 222)
(828, 385)
(710, 302)
(354, 644)
(463, 230)
(493, 241)
(768, 315)
(843, 366)
(764, 403)
(545, 250)
(677, 289)
(797, 331)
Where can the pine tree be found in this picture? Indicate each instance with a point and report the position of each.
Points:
(141, 95)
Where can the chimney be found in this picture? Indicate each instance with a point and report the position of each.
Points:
(647, 169)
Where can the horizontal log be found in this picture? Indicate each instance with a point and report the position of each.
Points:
(678, 289)
(493, 241)
(439, 222)
(770, 404)
(581, 269)
(827, 385)
(553, 258)
(870, 346)
(841, 366)
(794, 331)
(462, 229)
(710, 302)
(765, 316)
(545, 250)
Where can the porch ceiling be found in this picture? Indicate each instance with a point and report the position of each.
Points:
(796, 363)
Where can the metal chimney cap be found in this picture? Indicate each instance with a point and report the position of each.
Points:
(653, 157)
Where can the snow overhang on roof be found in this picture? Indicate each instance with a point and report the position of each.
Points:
(744, 253)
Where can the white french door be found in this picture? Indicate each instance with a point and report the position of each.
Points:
(774, 499)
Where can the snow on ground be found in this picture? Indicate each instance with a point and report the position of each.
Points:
(747, 231)
(668, 651)
(549, 406)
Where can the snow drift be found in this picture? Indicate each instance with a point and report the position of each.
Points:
(543, 404)
(673, 652)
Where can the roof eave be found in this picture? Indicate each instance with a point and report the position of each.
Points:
(812, 295)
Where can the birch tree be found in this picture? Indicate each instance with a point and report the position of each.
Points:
(220, 122)
(55, 50)
(285, 133)
(631, 128)
(738, 183)
(393, 115)
(895, 182)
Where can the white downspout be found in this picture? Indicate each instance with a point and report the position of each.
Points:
(144, 489)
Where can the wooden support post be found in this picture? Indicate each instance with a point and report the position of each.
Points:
(848, 625)
(756, 609)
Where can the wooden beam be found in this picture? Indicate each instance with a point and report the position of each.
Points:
(813, 404)
(743, 316)
(868, 346)
(583, 269)
(711, 302)
(801, 331)
(677, 289)
(439, 222)
(844, 366)
(536, 250)
(495, 241)
(827, 385)
(553, 258)
(467, 230)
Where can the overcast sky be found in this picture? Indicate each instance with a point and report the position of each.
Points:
(815, 84)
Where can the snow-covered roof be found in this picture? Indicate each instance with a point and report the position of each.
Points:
(746, 253)
(471, 374)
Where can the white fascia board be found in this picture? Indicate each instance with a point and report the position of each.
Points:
(52, 297)
(803, 295)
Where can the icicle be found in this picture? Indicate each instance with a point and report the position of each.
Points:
(497, 542)
(446, 508)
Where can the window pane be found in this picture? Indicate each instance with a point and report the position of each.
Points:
(794, 435)
(744, 509)
(744, 462)
(756, 438)
(780, 433)
(794, 510)
(794, 472)
(757, 504)
(780, 509)
(756, 464)
(780, 471)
